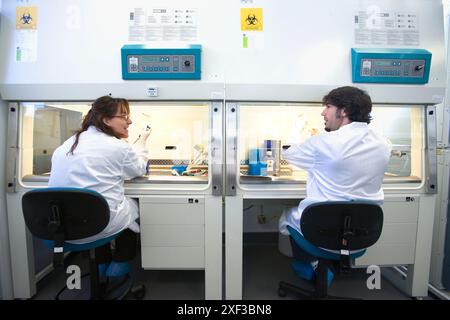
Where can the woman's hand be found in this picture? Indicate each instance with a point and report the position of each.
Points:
(142, 139)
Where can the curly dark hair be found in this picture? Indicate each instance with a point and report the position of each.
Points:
(355, 102)
(103, 107)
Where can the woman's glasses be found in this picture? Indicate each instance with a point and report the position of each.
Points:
(123, 116)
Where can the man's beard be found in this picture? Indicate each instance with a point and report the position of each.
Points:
(338, 116)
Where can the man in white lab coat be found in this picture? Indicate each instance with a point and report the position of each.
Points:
(96, 158)
(345, 163)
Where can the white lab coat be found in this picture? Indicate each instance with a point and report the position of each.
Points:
(101, 162)
(342, 165)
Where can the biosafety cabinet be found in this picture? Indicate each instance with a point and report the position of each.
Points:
(275, 109)
(409, 184)
(257, 87)
(48, 92)
(180, 212)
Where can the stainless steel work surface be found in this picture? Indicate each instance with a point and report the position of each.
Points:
(170, 179)
(248, 179)
(156, 179)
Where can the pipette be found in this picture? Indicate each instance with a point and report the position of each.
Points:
(147, 128)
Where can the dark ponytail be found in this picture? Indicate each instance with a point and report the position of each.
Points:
(103, 107)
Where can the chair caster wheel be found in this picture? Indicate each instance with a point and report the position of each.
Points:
(281, 293)
(137, 293)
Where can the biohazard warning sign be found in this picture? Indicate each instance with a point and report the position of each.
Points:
(26, 18)
(251, 19)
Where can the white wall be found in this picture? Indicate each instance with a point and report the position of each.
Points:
(79, 41)
(302, 43)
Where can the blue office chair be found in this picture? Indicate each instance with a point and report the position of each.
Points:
(57, 215)
(346, 227)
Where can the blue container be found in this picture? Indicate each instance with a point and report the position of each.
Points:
(180, 169)
(253, 156)
(254, 169)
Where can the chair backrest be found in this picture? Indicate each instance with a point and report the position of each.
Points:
(347, 225)
(70, 212)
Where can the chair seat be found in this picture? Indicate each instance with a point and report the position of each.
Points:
(316, 251)
(82, 246)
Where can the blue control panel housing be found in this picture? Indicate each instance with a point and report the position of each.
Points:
(140, 62)
(403, 66)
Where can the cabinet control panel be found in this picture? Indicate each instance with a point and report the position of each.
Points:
(406, 66)
(140, 62)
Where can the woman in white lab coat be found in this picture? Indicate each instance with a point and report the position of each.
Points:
(97, 158)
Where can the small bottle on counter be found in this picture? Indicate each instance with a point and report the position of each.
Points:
(269, 162)
(263, 169)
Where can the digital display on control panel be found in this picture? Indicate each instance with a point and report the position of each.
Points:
(148, 63)
(382, 63)
(146, 59)
(409, 66)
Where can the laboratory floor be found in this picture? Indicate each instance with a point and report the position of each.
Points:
(264, 266)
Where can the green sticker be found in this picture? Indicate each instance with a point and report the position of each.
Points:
(18, 54)
(245, 41)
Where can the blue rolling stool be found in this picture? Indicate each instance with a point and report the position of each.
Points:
(57, 215)
(342, 226)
